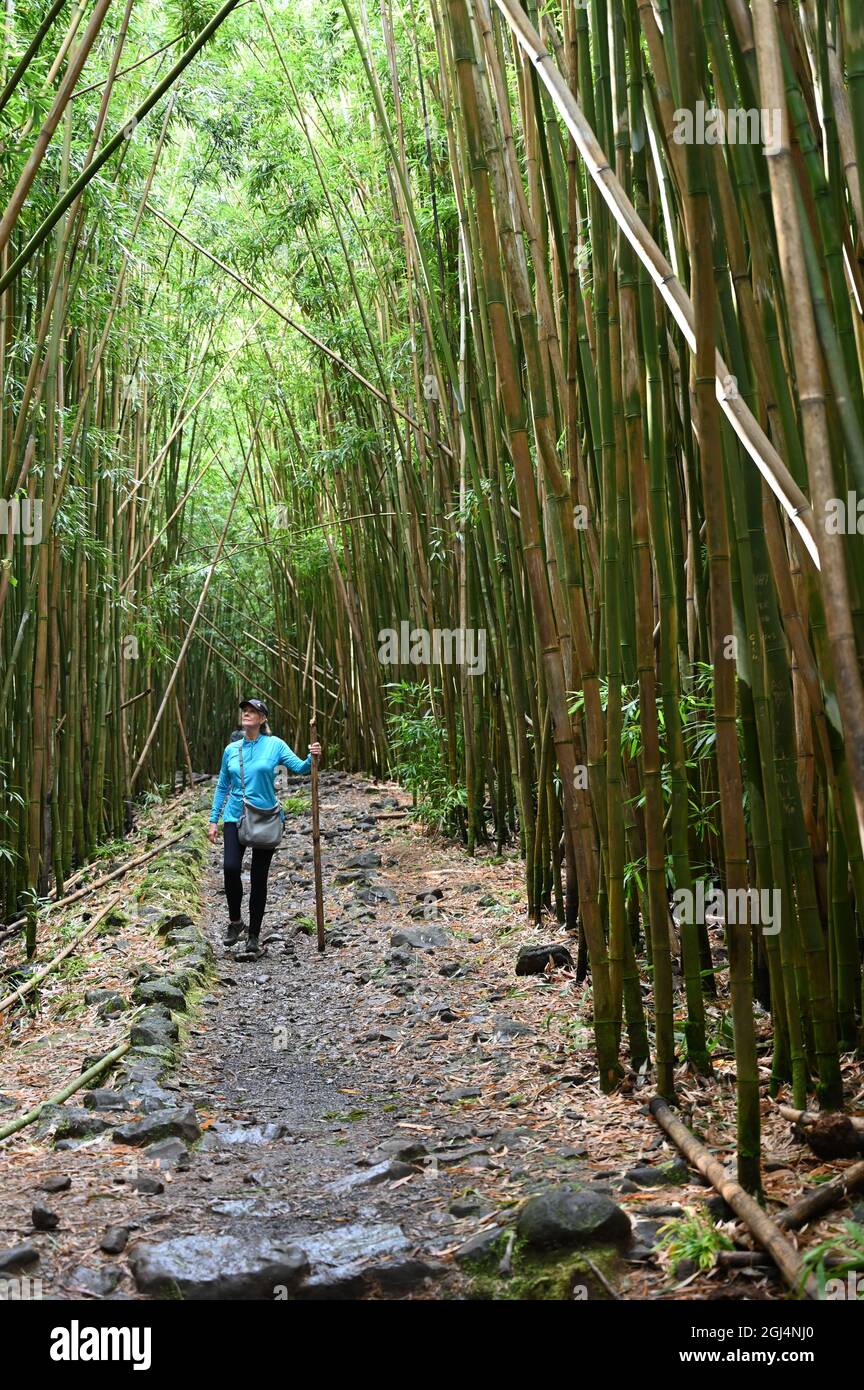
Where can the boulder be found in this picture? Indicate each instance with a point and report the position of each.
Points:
(79, 1124)
(219, 1267)
(564, 1216)
(162, 1124)
(420, 938)
(532, 960)
(160, 991)
(154, 1028)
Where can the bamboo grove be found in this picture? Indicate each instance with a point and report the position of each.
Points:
(322, 323)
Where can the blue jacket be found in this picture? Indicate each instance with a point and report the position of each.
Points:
(261, 757)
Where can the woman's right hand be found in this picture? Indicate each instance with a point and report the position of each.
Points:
(212, 831)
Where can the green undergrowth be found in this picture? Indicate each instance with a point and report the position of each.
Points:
(543, 1276)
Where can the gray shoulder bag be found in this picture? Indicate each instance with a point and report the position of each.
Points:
(260, 828)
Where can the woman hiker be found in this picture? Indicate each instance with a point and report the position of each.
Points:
(261, 754)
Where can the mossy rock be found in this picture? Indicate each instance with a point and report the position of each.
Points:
(115, 921)
(201, 961)
(677, 1172)
(195, 946)
(483, 1251)
(48, 1118)
(149, 1062)
(164, 990)
(178, 887)
(551, 1276)
(174, 923)
(185, 979)
(168, 874)
(181, 936)
(155, 1029)
(194, 963)
(193, 848)
(76, 1123)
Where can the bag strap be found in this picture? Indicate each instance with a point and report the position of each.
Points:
(242, 780)
(225, 802)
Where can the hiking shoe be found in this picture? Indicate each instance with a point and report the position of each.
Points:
(250, 950)
(233, 934)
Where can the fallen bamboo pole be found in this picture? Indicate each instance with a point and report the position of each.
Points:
(757, 1259)
(34, 980)
(824, 1197)
(764, 1231)
(100, 882)
(810, 1117)
(68, 1090)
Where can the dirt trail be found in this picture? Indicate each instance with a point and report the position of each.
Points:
(371, 1118)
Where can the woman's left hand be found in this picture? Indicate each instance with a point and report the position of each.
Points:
(315, 749)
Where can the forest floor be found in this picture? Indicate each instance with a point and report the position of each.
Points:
(372, 1119)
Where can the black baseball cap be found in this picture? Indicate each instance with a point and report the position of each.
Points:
(257, 705)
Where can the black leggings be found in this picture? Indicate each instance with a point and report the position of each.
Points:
(233, 864)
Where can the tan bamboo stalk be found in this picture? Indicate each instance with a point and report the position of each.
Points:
(758, 446)
(811, 394)
(52, 120)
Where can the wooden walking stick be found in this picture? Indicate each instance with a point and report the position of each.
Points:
(316, 831)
